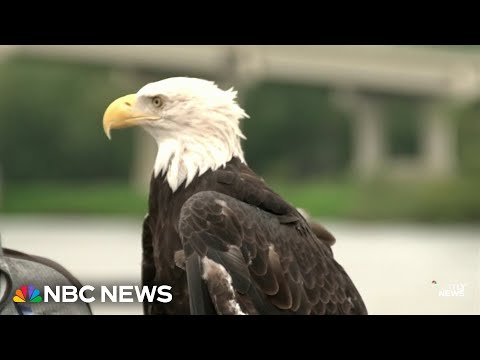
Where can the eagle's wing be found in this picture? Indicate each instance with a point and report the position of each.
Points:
(242, 258)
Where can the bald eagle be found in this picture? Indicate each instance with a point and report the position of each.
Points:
(215, 232)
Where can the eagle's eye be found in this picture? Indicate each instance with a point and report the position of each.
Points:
(157, 101)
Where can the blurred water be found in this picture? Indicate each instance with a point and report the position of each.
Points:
(392, 265)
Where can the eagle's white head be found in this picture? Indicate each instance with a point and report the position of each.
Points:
(194, 122)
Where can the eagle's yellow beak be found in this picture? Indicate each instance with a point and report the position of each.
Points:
(122, 113)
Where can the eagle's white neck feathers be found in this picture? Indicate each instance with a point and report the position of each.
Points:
(198, 130)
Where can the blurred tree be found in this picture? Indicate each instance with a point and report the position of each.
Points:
(294, 131)
(50, 125)
(469, 133)
(403, 125)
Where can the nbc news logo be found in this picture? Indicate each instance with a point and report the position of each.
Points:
(70, 293)
(27, 294)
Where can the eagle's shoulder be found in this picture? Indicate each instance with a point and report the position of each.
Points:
(241, 182)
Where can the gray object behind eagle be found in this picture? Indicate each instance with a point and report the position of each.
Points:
(18, 269)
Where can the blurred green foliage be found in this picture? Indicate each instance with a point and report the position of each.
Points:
(403, 121)
(294, 132)
(59, 198)
(468, 118)
(51, 122)
(437, 202)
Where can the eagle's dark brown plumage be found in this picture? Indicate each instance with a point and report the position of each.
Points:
(276, 263)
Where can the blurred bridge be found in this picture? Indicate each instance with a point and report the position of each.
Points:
(357, 76)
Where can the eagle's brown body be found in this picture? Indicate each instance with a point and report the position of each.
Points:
(276, 263)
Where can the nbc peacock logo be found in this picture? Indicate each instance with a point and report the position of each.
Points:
(27, 294)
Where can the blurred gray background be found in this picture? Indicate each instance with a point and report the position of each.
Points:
(379, 143)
